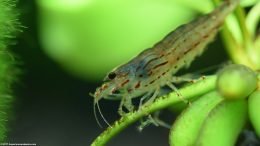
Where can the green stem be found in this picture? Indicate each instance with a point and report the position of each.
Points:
(194, 90)
(236, 52)
(253, 19)
(240, 14)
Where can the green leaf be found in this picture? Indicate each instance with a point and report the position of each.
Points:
(248, 3)
(9, 26)
(224, 124)
(253, 19)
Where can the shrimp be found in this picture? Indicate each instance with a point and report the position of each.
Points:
(145, 74)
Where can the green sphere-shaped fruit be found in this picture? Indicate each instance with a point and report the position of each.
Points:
(236, 81)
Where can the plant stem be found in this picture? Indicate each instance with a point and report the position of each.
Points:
(236, 51)
(194, 90)
(252, 20)
(240, 14)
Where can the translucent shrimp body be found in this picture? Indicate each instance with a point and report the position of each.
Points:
(153, 68)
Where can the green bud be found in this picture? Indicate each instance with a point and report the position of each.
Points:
(236, 81)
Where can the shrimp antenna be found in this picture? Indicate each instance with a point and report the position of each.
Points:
(102, 115)
(95, 114)
(94, 109)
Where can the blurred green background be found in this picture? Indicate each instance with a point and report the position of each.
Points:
(89, 37)
(67, 47)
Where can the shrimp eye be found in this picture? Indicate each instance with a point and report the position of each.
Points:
(111, 75)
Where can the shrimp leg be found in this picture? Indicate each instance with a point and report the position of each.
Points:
(181, 79)
(169, 84)
(143, 98)
(155, 94)
(127, 103)
(185, 78)
(155, 120)
(160, 122)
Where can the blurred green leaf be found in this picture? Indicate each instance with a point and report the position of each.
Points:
(248, 3)
(8, 28)
(253, 20)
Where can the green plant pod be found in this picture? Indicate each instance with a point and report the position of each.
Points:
(186, 129)
(254, 110)
(236, 81)
(223, 124)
